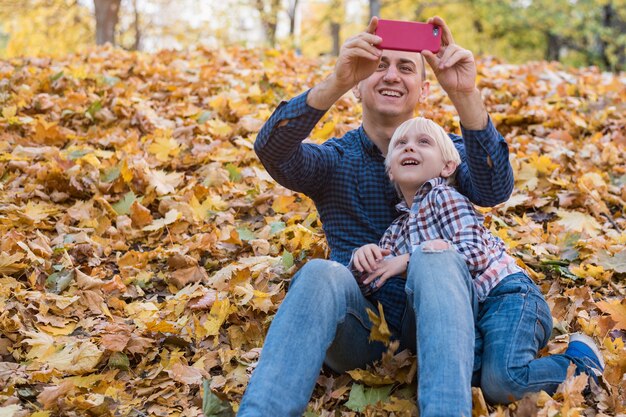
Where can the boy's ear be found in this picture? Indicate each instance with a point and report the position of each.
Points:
(448, 169)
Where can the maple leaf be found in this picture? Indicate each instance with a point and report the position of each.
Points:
(164, 146)
(575, 221)
(37, 212)
(616, 262)
(50, 395)
(361, 397)
(76, 358)
(9, 264)
(170, 217)
(380, 331)
(165, 183)
(617, 310)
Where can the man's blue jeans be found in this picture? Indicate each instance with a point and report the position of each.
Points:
(457, 341)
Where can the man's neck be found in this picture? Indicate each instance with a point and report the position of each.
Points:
(380, 131)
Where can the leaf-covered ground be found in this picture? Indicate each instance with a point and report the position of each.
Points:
(144, 250)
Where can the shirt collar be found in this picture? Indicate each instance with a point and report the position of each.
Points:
(369, 146)
(421, 193)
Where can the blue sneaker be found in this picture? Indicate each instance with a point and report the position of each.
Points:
(586, 354)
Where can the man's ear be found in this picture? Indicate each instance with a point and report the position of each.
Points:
(356, 91)
(448, 169)
(425, 91)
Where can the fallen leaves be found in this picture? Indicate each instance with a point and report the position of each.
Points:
(144, 250)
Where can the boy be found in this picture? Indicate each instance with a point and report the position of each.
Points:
(509, 310)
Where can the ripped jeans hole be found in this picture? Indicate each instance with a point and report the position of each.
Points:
(435, 246)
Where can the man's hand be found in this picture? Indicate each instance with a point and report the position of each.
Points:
(367, 257)
(358, 59)
(455, 70)
(453, 66)
(388, 268)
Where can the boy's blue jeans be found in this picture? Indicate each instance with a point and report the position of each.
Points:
(458, 341)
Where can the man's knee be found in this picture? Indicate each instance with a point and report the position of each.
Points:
(325, 275)
(432, 262)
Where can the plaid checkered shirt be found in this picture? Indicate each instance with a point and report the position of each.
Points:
(346, 179)
(441, 212)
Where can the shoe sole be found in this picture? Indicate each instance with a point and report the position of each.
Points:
(590, 343)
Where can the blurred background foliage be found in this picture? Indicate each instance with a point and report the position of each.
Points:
(575, 32)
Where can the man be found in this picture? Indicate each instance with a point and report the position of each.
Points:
(323, 318)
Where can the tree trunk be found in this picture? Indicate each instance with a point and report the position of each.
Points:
(137, 45)
(612, 21)
(268, 11)
(107, 15)
(293, 7)
(553, 47)
(374, 8)
(335, 28)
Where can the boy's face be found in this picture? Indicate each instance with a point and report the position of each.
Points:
(415, 159)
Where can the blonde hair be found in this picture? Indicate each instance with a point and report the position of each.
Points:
(419, 125)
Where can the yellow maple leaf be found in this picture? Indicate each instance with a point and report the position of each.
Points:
(526, 177)
(9, 264)
(617, 310)
(325, 131)
(218, 315)
(127, 172)
(543, 164)
(202, 211)
(164, 146)
(76, 358)
(91, 159)
(219, 129)
(163, 182)
(42, 345)
(593, 271)
(170, 217)
(283, 203)
(37, 212)
(575, 221)
(9, 111)
(380, 331)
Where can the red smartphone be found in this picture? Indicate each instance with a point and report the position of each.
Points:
(408, 36)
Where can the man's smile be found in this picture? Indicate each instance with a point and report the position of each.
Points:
(388, 92)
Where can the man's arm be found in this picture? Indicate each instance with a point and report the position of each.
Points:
(487, 176)
(304, 167)
(297, 166)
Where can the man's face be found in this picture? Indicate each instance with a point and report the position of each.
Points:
(415, 159)
(395, 88)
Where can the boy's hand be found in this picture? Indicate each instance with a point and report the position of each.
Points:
(388, 268)
(367, 258)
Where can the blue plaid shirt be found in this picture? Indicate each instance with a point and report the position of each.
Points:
(346, 179)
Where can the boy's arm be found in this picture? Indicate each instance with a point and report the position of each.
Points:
(462, 227)
(297, 166)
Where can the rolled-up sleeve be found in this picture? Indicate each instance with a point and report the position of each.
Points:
(485, 175)
(297, 166)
